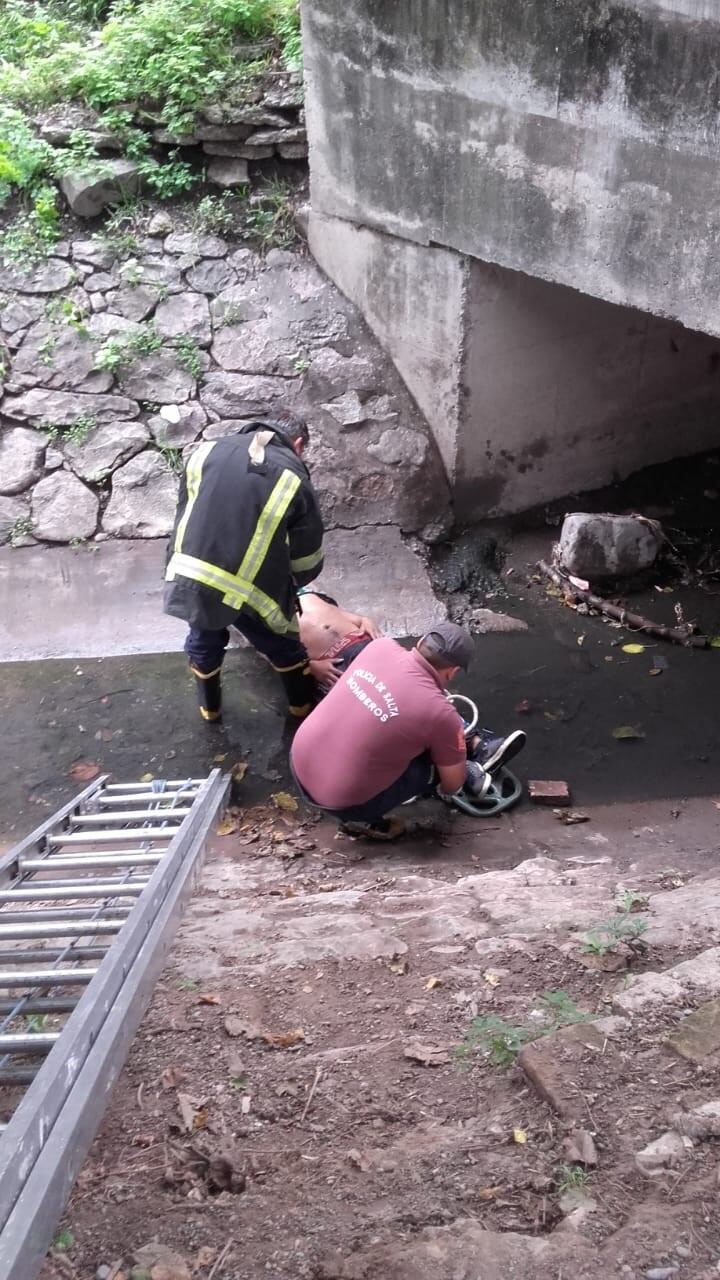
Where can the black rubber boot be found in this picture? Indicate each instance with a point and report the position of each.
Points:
(300, 689)
(209, 692)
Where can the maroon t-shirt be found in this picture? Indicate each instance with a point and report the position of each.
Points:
(388, 708)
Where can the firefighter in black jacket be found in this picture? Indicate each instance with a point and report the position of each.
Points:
(247, 532)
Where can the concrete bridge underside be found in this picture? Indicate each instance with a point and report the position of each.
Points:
(524, 202)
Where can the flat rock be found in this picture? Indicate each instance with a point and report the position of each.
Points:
(105, 449)
(271, 137)
(184, 315)
(228, 173)
(178, 424)
(96, 251)
(248, 113)
(698, 1037)
(134, 302)
(63, 508)
(197, 244)
(163, 272)
(237, 150)
(554, 1064)
(62, 408)
(606, 546)
(88, 193)
(157, 377)
(161, 224)
(211, 276)
(699, 976)
(108, 324)
(143, 499)
(330, 372)
(12, 510)
(347, 409)
(21, 313)
(261, 346)
(666, 1152)
(237, 395)
(22, 454)
(48, 276)
(488, 622)
(399, 446)
(58, 356)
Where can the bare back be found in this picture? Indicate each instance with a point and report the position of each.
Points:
(323, 625)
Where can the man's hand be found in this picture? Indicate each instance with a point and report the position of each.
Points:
(370, 627)
(324, 671)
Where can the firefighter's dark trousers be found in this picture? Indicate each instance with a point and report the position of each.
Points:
(206, 651)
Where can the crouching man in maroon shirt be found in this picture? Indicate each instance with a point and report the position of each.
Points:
(386, 732)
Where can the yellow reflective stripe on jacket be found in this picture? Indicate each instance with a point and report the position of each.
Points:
(193, 475)
(236, 591)
(307, 562)
(267, 526)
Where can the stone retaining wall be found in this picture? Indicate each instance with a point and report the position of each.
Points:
(112, 369)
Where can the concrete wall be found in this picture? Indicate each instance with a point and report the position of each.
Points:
(574, 140)
(532, 390)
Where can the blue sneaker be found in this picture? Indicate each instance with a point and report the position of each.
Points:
(493, 753)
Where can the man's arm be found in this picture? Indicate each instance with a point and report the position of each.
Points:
(305, 535)
(448, 751)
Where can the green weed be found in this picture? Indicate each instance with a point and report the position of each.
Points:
(213, 213)
(630, 900)
(118, 353)
(606, 934)
(21, 528)
(76, 432)
(65, 1240)
(502, 1041)
(173, 458)
(271, 220)
(571, 1177)
(188, 355)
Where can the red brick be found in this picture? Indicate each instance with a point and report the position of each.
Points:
(552, 793)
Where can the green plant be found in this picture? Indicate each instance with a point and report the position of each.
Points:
(188, 355)
(76, 432)
(35, 1022)
(271, 220)
(606, 934)
(188, 984)
(122, 229)
(300, 363)
(65, 1240)
(117, 353)
(571, 1177)
(20, 529)
(213, 213)
(502, 1041)
(46, 349)
(630, 900)
(173, 458)
(238, 1082)
(65, 310)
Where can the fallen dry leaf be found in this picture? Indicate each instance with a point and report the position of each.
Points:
(209, 999)
(428, 1055)
(239, 770)
(581, 641)
(571, 817)
(206, 1255)
(580, 1148)
(84, 770)
(218, 759)
(627, 732)
(283, 800)
(284, 1039)
(171, 1077)
(228, 825)
(432, 983)
(187, 1112)
(359, 1160)
(402, 965)
(633, 648)
(142, 1140)
(492, 978)
(147, 777)
(520, 1136)
(488, 1193)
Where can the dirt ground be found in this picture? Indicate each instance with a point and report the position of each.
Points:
(311, 1093)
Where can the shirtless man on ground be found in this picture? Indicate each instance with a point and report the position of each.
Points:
(331, 635)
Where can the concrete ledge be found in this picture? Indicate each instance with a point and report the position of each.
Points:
(102, 601)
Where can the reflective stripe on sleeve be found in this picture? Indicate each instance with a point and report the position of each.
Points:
(193, 475)
(307, 562)
(268, 524)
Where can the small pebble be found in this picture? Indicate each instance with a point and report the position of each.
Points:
(662, 1273)
(683, 1251)
(102, 1272)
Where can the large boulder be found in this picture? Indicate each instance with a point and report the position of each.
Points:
(63, 509)
(58, 356)
(89, 191)
(143, 501)
(184, 315)
(606, 546)
(235, 395)
(259, 346)
(157, 378)
(14, 515)
(22, 453)
(105, 449)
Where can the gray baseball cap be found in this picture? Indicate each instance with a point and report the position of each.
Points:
(449, 641)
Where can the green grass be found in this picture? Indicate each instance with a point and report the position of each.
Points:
(606, 934)
(501, 1041)
(77, 432)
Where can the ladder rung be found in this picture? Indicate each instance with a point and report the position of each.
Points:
(28, 1042)
(47, 955)
(48, 891)
(45, 977)
(71, 862)
(131, 815)
(41, 1004)
(91, 838)
(116, 882)
(142, 797)
(63, 913)
(170, 784)
(16, 1075)
(60, 929)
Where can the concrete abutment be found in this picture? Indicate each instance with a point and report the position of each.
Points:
(522, 202)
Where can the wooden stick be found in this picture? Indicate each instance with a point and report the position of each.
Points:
(311, 1094)
(677, 635)
(221, 1258)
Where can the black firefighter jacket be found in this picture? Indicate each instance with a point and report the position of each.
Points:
(247, 530)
